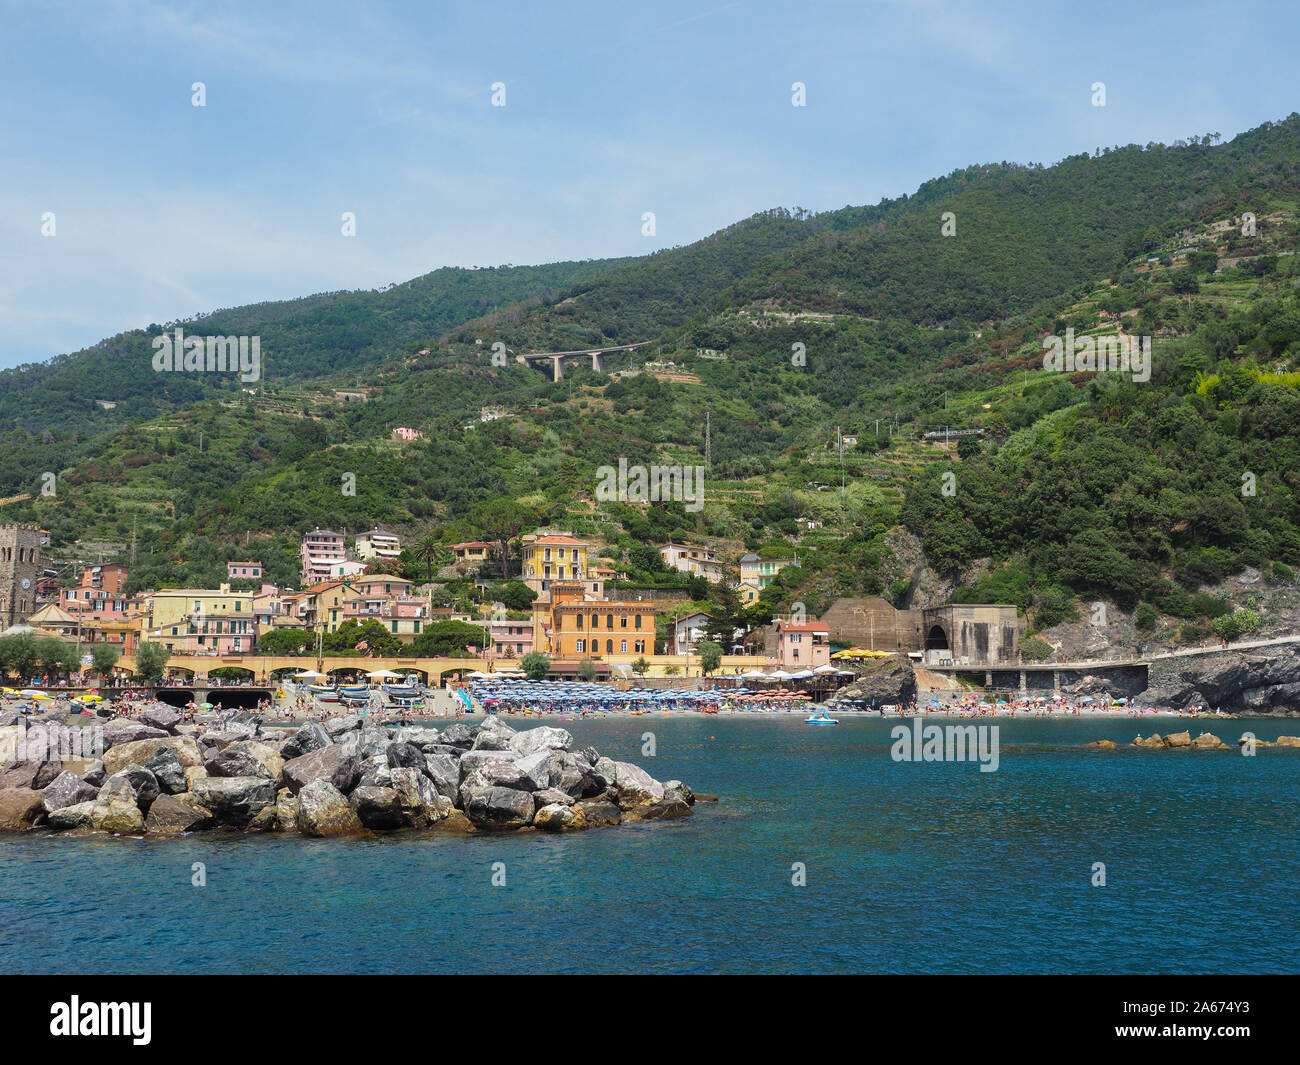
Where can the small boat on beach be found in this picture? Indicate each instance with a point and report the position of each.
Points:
(821, 717)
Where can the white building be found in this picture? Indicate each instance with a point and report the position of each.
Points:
(378, 545)
(697, 561)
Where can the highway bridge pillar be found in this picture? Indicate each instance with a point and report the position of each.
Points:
(1024, 688)
(988, 678)
(1056, 681)
(557, 368)
(596, 364)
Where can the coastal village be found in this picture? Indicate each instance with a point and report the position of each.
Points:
(580, 617)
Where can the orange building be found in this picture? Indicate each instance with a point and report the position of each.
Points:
(584, 628)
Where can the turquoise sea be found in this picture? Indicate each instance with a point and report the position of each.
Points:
(921, 867)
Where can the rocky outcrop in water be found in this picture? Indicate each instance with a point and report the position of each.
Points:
(339, 778)
(887, 682)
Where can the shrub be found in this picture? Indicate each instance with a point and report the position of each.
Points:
(1036, 649)
(1145, 617)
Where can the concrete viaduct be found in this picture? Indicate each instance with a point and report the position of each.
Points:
(557, 357)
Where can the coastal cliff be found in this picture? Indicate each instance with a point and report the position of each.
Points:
(1265, 679)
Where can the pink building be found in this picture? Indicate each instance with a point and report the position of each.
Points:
(244, 571)
(404, 433)
(321, 549)
(804, 646)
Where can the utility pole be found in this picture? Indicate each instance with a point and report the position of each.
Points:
(135, 521)
(708, 437)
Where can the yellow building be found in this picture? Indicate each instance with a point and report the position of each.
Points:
(201, 620)
(558, 557)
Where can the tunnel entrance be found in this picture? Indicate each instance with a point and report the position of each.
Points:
(936, 639)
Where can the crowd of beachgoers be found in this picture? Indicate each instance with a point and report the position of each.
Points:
(577, 700)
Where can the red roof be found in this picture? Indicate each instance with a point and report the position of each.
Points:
(808, 626)
(554, 539)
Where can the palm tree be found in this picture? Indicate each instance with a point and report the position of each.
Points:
(426, 550)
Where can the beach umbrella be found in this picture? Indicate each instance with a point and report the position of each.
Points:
(825, 669)
(383, 673)
(309, 673)
(780, 674)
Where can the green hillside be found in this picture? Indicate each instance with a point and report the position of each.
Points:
(780, 332)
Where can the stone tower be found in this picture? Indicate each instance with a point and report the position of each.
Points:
(20, 563)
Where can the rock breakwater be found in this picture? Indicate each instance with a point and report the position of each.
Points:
(343, 777)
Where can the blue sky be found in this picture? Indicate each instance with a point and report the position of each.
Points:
(163, 209)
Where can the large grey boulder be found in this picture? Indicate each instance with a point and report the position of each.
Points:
(46, 774)
(421, 802)
(423, 738)
(67, 789)
(340, 726)
(459, 735)
(311, 737)
(234, 800)
(323, 811)
(445, 774)
(550, 797)
(121, 755)
(126, 730)
(454, 753)
(488, 807)
(471, 760)
(492, 740)
(375, 772)
(401, 753)
(117, 808)
(541, 738)
(236, 761)
(165, 765)
(599, 813)
(173, 814)
(142, 783)
(676, 791)
(537, 768)
(377, 807)
(95, 774)
(262, 759)
(554, 817)
(333, 764)
(499, 775)
(286, 811)
(76, 816)
(20, 775)
(367, 742)
(161, 716)
(635, 786)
